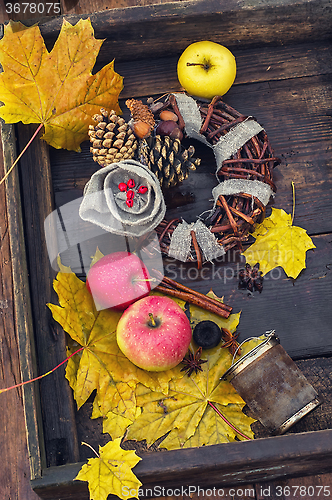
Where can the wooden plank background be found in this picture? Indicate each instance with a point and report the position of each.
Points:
(14, 472)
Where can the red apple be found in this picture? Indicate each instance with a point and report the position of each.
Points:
(154, 333)
(117, 280)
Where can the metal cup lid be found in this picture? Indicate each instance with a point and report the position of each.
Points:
(235, 368)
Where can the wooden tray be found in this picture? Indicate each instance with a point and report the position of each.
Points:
(283, 52)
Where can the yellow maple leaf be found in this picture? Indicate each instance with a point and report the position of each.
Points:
(279, 243)
(186, 410)
(151, 404)
(100, 365)
(97, 256)
(198, 314)
(213, 429)
(56, 88)
(111, 472)
(116, 425)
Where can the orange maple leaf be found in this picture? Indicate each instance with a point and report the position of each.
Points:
(56, 88)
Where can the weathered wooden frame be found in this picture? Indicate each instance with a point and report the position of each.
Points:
(244, 23)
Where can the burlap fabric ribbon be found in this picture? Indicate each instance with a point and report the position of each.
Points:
(106, 205)
(225, 147)
(229, 143)
(181, 241)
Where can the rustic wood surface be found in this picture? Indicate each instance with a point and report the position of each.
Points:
(292, 106)
(14, 475)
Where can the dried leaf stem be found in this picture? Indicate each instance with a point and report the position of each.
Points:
(293, 211)
(83, 443)
(227, 422)
(21, 154)
(41, 376)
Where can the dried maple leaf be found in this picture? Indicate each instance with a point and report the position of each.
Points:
(116, 425)
(111, 472)
(186, 411)
(151, 404)
(100, 365)
(55, 88)
(279, 243)
(198, 314)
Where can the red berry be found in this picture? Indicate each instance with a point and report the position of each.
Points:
(130, 195)
(130, 203)
(131, 183)
(142, 189)
(122, 186)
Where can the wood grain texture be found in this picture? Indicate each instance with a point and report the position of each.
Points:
(253, 65)
(308, 160)
(162, 31)
(304, 488)
(22, 310)
(57, 403)
(240, 463)
(14, 471)
(19, 10)
(86, 6)
(295, 113)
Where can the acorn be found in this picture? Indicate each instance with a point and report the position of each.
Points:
(141, 129)
(167, 115)
(207, 334)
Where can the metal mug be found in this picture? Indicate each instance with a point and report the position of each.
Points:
(272, 385)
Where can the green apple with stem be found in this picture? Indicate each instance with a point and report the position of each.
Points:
(206, 69)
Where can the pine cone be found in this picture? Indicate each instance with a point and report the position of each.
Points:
(140, 112)
(167, 159)
(112, 138)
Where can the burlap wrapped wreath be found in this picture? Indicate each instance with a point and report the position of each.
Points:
(245, 162)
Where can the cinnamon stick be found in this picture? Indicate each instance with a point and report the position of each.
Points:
(180, 286)
(194, 299)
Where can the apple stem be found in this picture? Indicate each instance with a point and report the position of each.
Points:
(145, 279)
(205, 66)
(152, 320)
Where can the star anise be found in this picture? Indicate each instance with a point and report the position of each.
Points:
(193, 363)
(230, 341)
(251, 278)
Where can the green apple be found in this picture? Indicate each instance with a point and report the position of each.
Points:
(206, 69)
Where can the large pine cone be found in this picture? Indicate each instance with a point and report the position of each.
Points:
(112, 138)
(167, 159)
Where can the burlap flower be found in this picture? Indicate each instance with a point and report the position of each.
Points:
(123, 198)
